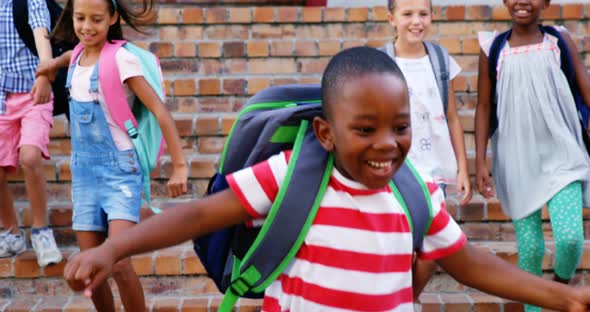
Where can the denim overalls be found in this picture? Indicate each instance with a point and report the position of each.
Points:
(106, 182)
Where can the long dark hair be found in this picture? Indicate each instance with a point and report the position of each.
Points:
(135, 18)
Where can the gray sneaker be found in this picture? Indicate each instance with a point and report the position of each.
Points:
(45, 247)
(12, 244)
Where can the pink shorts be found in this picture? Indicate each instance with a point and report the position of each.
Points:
(23, 124)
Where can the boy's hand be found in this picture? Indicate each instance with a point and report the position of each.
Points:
(178, 179)
(464, 187)
(484, 182)
(89, 269)
(41, 92)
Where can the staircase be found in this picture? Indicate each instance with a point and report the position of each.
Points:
(214, 57)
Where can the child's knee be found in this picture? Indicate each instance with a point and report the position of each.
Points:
(30, 159)
(123, 269)
(570, 244)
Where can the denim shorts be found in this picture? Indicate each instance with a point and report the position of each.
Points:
(105, 187)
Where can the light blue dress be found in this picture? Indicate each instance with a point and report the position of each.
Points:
(538, 147)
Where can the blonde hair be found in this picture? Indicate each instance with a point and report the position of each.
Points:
(391, 5)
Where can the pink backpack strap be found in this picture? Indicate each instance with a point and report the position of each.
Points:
(110, 83)
(76, 53)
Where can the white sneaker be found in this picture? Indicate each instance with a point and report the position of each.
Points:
(12, 244)
(45, 248)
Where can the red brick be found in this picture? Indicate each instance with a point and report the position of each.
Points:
(470, 46)
(215, 15)
(264, 14)
(142, 264)
(227, 123)
(207, 125)
(358, 14)
(240, 15)
(168, 261)
(234, 86)
(57, 270)
(192, 15)
(168, 15)
(209, 49)
(5, 267)
(60, 128)
(185, 49)
(336, 14)
(64, 170)
(281, 48)
(313, 65)
(437, 13)
(552, 12)
(25, 265)
(500, 13)
(166, 304)
(479, 12)
(195, 305)
(184, 87)
(257, 48)
(249, 305)
(328, 47)
(452, 44)
(209, 86)
(311, 14)
(306, 48)
(192, 264)
(161, 49)
(211, 145)
(455, 13)
(287, 14)
(572, 11)
(430, 302)
(380, 14)
(272, 66)
(234, 49)
(456, 302)
(267, 32)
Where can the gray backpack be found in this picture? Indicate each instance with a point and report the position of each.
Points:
(439, 59)
(243, 261)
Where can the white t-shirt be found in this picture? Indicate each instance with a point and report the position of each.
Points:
(431, 152)
(129, 66)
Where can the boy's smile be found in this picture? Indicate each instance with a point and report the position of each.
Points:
(369, 128)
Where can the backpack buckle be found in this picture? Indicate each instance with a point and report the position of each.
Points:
(245, 282)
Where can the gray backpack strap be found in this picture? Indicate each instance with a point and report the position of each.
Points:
(288, 220)
(416, 199)
(388, 49)
(439, 58)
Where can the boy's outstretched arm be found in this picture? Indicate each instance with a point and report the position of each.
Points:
(493, 275)
(175, 225)
(458, 142)
(482, 127)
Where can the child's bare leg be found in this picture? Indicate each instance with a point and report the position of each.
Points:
(30, 161)
(7, 213)
(421, 274)
(102, 297)
(129, 285)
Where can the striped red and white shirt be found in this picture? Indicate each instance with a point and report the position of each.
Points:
(357, 255)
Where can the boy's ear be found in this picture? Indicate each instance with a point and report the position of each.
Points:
(323, 132)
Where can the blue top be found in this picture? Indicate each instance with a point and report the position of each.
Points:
(17, 63)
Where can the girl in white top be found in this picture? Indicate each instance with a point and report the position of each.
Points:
(438, 146)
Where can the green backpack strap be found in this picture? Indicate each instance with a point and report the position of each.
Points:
(413, 195)
(288, 220)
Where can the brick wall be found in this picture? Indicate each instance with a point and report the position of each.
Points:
(215, 56)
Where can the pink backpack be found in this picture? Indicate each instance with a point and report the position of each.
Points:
(141, 125)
